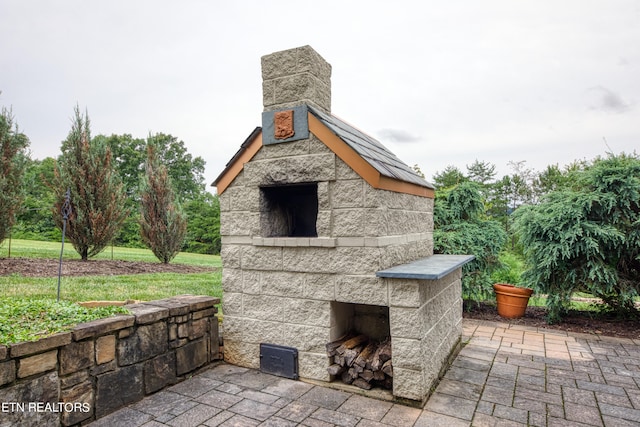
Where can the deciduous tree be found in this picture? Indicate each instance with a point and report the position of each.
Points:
(203, 227)
(481, 172)
(35, 222)
(449, 177)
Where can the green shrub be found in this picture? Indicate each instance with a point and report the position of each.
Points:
(461, 228)
(587, 238)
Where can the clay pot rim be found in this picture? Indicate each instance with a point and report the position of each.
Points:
(509, 289)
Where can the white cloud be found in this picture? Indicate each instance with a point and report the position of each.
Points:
(396, 135)
(608, 101)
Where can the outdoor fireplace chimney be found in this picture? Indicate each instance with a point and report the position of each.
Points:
(296, 77)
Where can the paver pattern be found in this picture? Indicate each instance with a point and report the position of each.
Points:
(504, 376)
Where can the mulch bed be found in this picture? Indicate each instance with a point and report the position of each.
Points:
(593, 323)
(42, 267)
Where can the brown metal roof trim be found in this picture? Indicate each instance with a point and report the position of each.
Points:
(371, 173)
(247, 150)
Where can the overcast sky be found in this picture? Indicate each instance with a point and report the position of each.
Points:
(438, 82)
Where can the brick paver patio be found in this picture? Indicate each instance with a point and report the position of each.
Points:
(504, 376)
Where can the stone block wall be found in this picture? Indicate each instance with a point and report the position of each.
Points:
(426, 325)
(278, 290)
(100, 366)
(296, 75)
(351, 213)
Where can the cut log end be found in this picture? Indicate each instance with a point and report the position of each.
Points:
(359, 361)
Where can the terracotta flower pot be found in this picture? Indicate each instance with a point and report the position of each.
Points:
(512, 301)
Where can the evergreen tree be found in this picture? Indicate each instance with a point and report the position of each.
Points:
(587, 238)
(97, 196)
(185, 171)
(449, 177)
(461, 227)
(162, 224)
(13, 154)
(481, 172)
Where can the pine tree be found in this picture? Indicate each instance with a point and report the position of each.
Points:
(163, 225)
(13, 147)
(97, 197)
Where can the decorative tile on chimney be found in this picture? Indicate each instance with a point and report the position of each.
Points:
(296, 77)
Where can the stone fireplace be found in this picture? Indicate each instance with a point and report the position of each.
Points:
(325, 231)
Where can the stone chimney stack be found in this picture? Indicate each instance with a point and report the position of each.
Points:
(296, 77)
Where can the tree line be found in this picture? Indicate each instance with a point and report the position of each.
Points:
(576, 228)
(124, 191)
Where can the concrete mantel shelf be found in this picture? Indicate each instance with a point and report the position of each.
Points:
(430, 268)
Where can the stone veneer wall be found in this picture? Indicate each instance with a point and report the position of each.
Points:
(109, 363)
(278, 290)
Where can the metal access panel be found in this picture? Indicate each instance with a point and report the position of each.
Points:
(279, 360)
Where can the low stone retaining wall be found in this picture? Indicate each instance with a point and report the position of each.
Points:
(78, 376)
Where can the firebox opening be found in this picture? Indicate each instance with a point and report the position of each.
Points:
(360, 348)
(289, 210)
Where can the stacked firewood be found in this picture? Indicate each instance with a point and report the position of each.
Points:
(362, 362)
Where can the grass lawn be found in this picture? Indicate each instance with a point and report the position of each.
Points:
(144, 287)
(38, 249)
(27, 305)
(30, 319)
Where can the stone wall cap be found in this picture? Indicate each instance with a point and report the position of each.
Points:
(103, 326)
(43, 344)
(148, 313)
(175, 308)
(196, 302)
(431, 268)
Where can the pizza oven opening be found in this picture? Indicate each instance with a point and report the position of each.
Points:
(289, 210)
